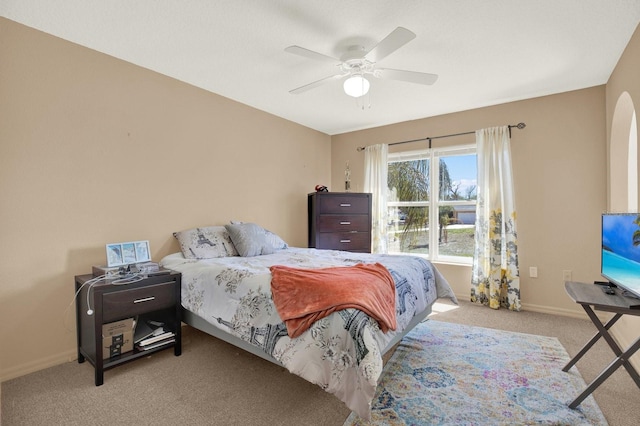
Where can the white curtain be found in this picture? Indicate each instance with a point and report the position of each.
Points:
(495, 277)
(375, 182)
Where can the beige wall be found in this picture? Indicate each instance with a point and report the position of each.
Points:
(624, 83)
(559, 177)
(95, 150)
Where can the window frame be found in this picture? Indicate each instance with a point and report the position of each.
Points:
(434, 203)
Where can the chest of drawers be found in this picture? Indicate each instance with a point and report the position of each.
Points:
(340, 221)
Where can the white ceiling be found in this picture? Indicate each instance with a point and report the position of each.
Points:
(485, 52)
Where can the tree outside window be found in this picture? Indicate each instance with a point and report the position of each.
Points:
(414, 203)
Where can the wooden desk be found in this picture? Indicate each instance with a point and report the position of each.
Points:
(591, 295)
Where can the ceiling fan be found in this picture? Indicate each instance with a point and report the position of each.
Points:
(357, 64)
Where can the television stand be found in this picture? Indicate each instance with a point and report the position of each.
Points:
(588, 296)
(634, 301)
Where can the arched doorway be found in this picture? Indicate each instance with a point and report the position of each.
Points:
(623, 157)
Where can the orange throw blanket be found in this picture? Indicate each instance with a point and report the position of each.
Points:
(303, 296)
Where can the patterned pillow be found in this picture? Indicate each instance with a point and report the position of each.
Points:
(205, 243)
(249, 239)
(275, 240)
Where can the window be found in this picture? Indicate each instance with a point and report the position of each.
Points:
(436, 186)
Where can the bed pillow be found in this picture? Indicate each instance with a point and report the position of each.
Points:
(205, 243)
(275, 240)
(249, 239)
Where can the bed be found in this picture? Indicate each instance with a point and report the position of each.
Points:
(228, 295)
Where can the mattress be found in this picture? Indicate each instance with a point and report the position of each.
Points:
(341, 353)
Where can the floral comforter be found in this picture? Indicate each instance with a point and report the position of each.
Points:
(340, 353)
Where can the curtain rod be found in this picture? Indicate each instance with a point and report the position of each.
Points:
(519, 126)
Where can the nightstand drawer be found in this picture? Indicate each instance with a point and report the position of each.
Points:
(136, 301)
(343, 204)
(343, 223)
(353, 241)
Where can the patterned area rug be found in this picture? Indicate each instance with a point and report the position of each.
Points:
(451, 374)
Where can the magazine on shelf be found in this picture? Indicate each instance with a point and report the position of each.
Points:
(156, 339)
(157, 344)
(143, 330)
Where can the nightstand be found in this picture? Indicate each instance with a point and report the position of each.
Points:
(111, 301)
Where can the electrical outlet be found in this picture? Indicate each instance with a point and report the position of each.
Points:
(566, 275)
(533, 271)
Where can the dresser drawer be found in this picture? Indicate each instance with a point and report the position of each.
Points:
(136, 301)
(343, 204)
(350, 241)
(343, 223)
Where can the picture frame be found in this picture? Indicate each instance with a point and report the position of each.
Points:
(126, 253)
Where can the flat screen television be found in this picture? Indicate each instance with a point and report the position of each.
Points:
(621, 251)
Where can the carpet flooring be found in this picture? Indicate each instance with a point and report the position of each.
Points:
(214, 383)
(451, 374)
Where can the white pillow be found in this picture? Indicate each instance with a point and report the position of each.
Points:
(249, 239)
(274, 239)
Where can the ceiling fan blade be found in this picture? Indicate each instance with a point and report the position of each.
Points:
(301, 51)
(409, 76)
(315, 84)
(394, 41)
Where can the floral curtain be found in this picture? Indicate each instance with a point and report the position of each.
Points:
(375, 182)
(495, 279)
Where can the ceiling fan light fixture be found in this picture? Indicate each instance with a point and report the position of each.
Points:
(356, 86)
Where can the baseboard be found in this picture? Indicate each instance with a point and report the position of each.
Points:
(572, 313)
(41, 364)
(543, 309)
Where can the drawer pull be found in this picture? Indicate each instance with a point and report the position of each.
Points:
(345, 223)
(145, 299)
(345, 204)
(345, 241)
